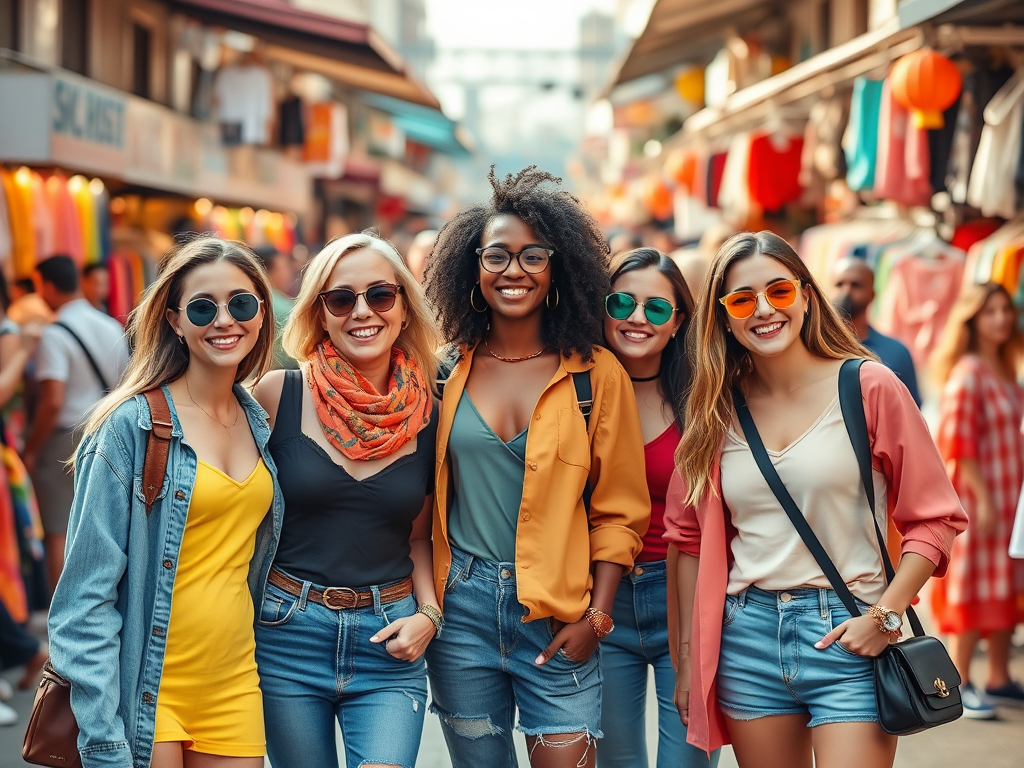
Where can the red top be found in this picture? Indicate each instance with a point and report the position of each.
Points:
(775, 171)
(659, 458)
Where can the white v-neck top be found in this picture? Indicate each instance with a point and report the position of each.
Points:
(820, 471)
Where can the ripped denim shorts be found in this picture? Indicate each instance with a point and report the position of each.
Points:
(482, 669)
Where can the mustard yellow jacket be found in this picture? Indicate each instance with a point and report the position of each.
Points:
(556, 539)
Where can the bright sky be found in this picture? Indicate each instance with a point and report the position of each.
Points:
(520, 24)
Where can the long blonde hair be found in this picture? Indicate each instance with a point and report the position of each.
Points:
(305, 328)
(158, 356)
(720, 363)
(960, 337)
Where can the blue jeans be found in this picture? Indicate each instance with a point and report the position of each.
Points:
(482, 668)
(317, 664)
(640, 639)
(768, 664)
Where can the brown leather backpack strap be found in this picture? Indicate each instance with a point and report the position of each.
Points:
(158, 447)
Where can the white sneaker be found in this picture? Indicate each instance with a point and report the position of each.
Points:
(6, 691)
(7, 715)
(975, 705)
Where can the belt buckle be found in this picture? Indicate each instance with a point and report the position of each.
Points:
(340, 598)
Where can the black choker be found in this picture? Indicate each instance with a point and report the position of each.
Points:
(648, 378)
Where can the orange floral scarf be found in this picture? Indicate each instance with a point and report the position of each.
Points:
(360, 423)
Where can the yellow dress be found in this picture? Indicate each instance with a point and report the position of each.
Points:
(209, 692)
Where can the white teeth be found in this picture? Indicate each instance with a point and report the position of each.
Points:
(636, 335)
(513, 291)
(765, 329)
(224, 342)
(365, 333)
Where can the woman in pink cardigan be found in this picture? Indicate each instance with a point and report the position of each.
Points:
(767, 656)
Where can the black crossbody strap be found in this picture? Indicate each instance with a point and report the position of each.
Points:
(88, 355)
(852, 404)
(584, 394)
(764, 463)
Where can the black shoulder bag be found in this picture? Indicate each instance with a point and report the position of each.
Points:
(916, 683)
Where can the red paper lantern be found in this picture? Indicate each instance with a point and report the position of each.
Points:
(926, 83)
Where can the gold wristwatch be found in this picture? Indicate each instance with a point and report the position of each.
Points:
(887, 621)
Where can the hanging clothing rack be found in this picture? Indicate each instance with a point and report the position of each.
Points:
(831, 69)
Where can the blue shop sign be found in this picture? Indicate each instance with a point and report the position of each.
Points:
(87, 113)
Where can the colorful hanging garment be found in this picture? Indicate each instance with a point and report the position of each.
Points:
(860, 142)
(902, 167)
(19, 210)
(12, 588)
(67, 228)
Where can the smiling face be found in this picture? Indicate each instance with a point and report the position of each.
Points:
(993, 325)
(636, 338)
(364, 337)
(225, 342)
(514, 294)
(768, 331)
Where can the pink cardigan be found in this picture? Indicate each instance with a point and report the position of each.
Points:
(921, 502)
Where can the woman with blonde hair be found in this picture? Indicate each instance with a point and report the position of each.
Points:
(977, 364)
(350, 606)
(151, 621)
(768, 657)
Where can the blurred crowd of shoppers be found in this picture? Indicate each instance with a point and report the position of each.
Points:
(469, 464)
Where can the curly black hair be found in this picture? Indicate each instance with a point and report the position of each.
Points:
(579, 268)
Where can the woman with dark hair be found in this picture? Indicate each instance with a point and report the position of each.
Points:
(977, 364)
(527, 559)
(648, 311)
(768, 655)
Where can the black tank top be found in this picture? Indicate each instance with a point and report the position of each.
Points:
(339, 531)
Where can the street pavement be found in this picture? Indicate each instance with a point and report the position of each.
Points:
(998, 744)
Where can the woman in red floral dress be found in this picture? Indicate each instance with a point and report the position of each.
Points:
(980, 438)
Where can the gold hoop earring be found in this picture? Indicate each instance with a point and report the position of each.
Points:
(547, 299)
(472, 303)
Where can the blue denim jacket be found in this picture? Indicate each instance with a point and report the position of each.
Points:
(110, 611)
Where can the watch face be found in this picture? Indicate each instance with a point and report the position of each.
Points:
(892, 621)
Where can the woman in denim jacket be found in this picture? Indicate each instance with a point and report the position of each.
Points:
(145, 686)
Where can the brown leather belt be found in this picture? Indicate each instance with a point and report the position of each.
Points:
(341, 598)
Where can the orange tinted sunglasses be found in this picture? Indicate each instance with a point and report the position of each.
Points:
(742, 304)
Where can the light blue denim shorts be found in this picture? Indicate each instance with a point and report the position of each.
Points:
(482, 669)
(768, 664)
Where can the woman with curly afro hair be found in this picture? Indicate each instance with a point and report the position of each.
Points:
(540, 499)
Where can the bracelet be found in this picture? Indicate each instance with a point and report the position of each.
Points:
(600, 622)
(435, 617)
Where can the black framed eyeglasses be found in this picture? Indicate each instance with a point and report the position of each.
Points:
(202, 311)
(533, 260)
(620, 306)
(379, 298)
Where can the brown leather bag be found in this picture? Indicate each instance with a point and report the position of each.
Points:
(52, 735)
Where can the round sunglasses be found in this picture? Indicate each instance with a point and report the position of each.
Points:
(620, 306)
(533, 259)
(742, 304)
(242, 307)
(379, 298)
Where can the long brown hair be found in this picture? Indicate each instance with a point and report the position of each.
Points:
(720, 363)
(158, 357)
(960, 336)
(674, 378)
